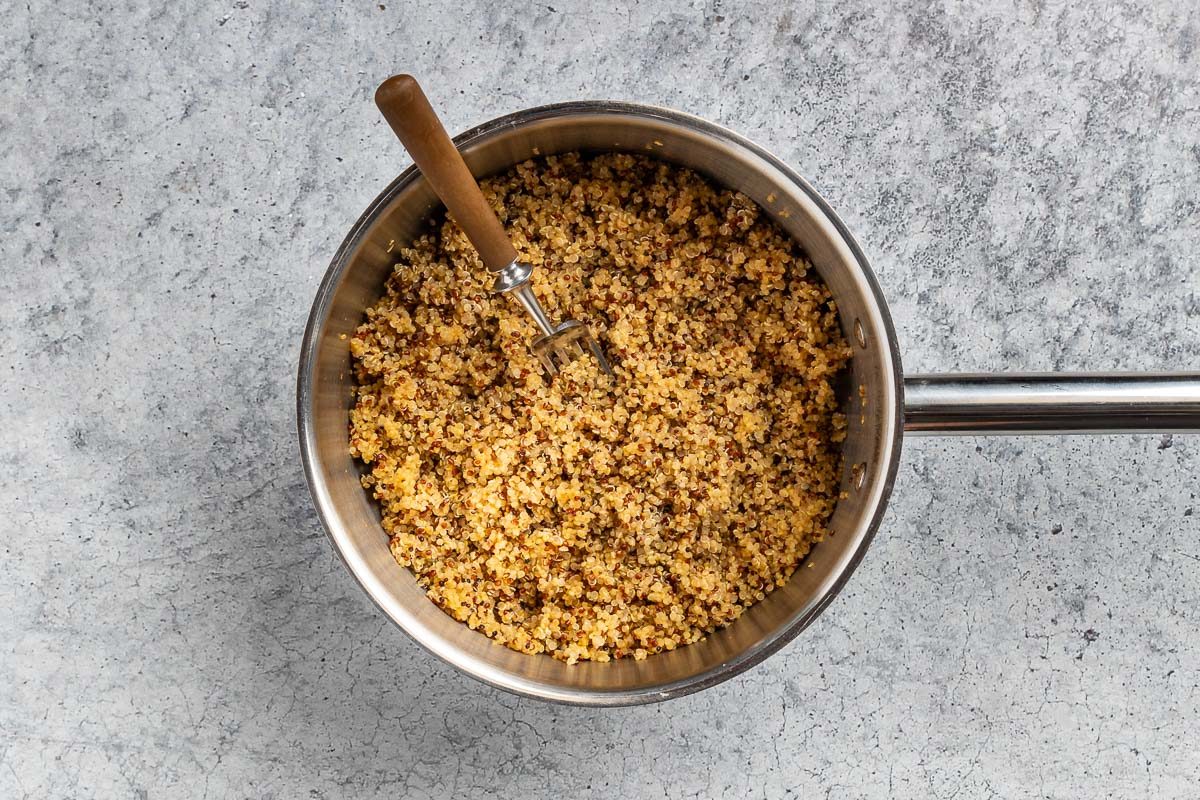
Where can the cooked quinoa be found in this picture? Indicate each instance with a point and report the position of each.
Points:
(591, 517)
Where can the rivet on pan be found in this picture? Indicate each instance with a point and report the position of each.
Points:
(858, 475)
(860, 335)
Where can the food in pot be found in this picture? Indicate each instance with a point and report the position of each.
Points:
(591, 517)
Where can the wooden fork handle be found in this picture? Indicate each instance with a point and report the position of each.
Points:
(407, 110)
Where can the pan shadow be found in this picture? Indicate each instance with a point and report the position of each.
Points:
(323, 668)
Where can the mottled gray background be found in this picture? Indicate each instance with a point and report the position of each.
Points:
(177, 176)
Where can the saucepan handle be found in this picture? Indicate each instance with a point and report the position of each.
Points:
(1049, 403)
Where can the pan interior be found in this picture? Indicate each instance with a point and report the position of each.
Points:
(871, 397)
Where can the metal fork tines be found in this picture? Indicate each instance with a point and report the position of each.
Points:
(558, 345)
(570, 341)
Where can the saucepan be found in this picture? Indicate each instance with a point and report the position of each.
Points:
(881, 403)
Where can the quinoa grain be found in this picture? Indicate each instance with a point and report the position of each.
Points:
(591, 518)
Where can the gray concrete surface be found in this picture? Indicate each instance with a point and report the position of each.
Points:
(175, 179)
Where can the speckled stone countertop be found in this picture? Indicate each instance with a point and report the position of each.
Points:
(175, 179)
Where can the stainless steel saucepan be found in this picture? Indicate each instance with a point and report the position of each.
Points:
(890, 404)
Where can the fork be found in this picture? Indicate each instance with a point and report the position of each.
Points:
(415, 123)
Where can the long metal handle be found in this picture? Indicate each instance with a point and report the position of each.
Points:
(1049, 403)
